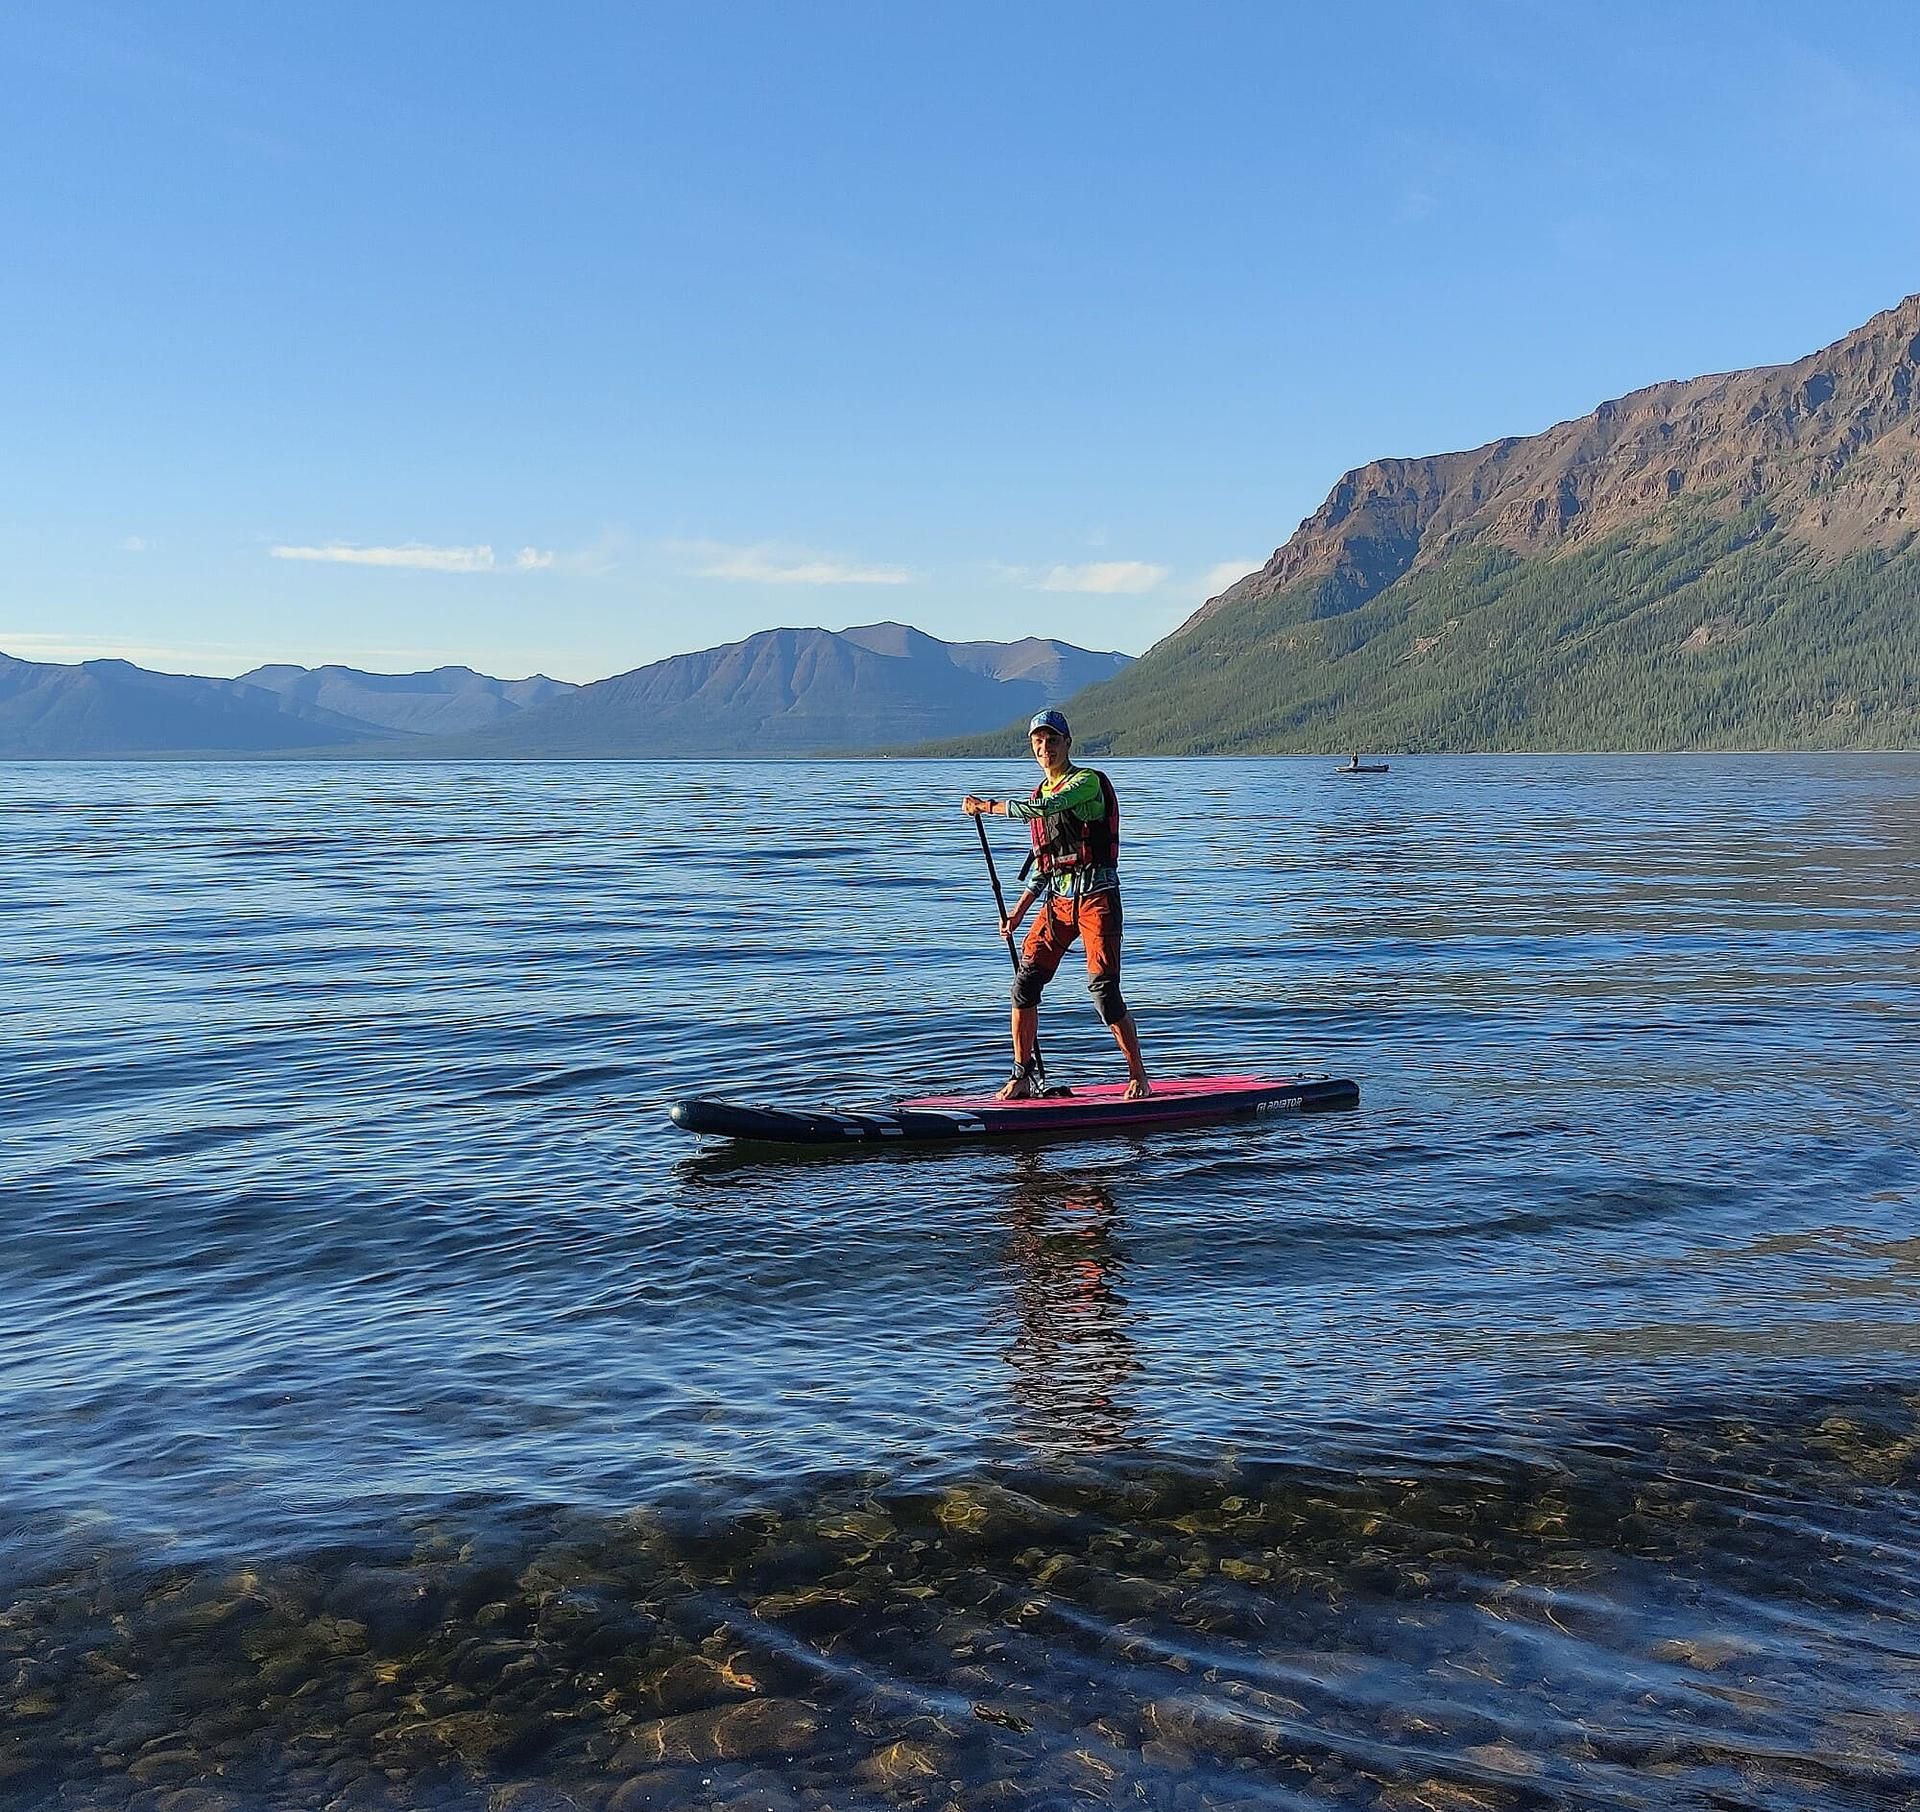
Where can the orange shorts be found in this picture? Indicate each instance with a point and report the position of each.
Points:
(1095, 921)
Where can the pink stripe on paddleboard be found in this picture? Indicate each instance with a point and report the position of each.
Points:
(1193, 1089)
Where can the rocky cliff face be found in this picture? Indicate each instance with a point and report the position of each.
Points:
(1829, 444)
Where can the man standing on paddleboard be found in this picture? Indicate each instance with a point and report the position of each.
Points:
(1075, 822)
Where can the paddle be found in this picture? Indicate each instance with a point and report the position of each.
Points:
(1013, 955)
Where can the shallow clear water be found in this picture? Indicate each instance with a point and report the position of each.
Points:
(1543, 1433)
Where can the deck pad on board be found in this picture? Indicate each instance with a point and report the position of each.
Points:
(1203, 1091)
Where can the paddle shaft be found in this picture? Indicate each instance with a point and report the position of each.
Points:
(1000, 900)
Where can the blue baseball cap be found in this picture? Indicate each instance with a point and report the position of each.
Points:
(1050, 720)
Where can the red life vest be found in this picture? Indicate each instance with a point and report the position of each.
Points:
(1065, 841)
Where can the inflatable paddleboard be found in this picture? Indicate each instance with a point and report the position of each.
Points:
(1103, 1107)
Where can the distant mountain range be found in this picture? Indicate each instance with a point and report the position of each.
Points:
(105, 708)
(782, 692)
(1724, 562)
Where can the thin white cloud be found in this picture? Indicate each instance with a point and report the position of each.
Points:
(135, 544)
(419, 556)
(775, 566)
(1105, 577)
(1227, 572)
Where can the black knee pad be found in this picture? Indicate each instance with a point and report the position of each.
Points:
(1027, 984)
(1106, 998)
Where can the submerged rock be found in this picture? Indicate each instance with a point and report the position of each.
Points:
(901, 1764)
(760, 1729)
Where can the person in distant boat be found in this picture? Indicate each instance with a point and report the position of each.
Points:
(1353, 764)
(1075, 822)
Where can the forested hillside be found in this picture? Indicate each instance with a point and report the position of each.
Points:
(1712, 634)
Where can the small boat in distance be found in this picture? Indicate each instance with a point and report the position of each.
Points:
(1354, 765)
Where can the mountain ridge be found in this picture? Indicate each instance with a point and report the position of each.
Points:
(439, 701)
(1630, 457)
(1722, 561)
(799, 691)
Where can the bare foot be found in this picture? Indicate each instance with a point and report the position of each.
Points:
(1139, 1089)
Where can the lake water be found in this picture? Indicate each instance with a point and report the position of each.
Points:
(399, 1412)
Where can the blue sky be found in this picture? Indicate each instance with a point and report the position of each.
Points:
(568, 337)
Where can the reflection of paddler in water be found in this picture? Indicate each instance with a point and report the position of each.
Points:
(1071, 1352)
